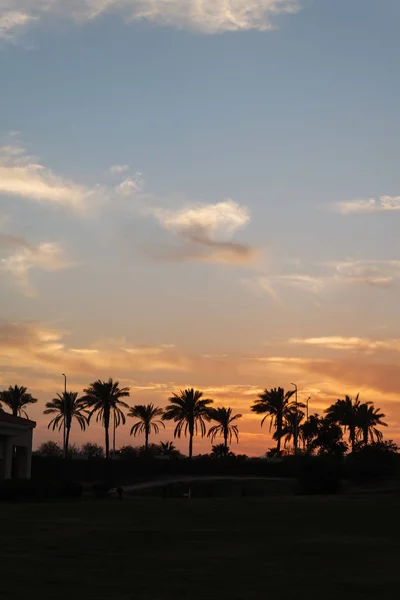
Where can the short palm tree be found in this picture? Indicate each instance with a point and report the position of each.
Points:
(190, 411)
(291, 425)
(168, 449)
(369, 418)
(310, 429)
(17, 398)
(274, 403)
(147, 415)
(225, 427)
(221, 451)
(345, 413)
(104, 398)
(66, 407)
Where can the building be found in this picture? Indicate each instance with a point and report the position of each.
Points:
(15, 447)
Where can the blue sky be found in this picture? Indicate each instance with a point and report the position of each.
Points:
(254, 211)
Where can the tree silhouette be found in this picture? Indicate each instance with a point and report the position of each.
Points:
(168, 449)
(16, 398)
(310, 429)
(345, 413)
(66, 407)
(274, 403)
(190, 412)
(225, 427)
(329, 440)
(104, 398)
(369, 418)
(221, 450)
(92, 450)
(147, 415)
(292, 419)
(50, 449)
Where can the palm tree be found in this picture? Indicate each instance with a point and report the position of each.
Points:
(310, 429)
(291, 424)
(66, 407)
(369, 418)
(274, 404)
(225, 427)
(190, 412)
(147, 421)
(168, 449)
(345, 413)
(104, 398)
(221, 451)
(16, 398)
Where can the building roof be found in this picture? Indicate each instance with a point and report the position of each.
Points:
(7, 418)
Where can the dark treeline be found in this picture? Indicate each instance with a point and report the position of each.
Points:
(347, 425)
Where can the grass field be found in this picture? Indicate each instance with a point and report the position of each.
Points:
(241, 549)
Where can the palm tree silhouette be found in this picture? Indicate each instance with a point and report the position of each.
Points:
(168, 449)
(220, 451)
(190, 412)
(104, 398)
(369, 418)
(292, 419)
(274, 403)
(16, 398)
(225, 427)
(147, 416)
(346, 414)
(310, 429)
(66, 407)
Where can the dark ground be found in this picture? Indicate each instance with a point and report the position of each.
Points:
(280, 548)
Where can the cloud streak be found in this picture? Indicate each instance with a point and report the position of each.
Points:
(205, 16)
(205, 231)
(368, 206)
(355, 344)
(21, 176)
(46, 256)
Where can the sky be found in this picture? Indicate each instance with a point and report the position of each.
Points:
(201, 193)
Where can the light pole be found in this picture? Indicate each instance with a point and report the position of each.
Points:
(65, 409)
(309, 398)
(296, 424)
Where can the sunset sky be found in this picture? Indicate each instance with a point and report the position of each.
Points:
(201, 193)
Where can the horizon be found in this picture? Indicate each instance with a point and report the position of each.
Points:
(193, 195)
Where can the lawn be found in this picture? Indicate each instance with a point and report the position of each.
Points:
(242, 548)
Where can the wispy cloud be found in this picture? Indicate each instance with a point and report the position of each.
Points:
(205, 231)
(26, 257)
(355, 344)
(13, 22)
(118, 169)
(206, 16)
(23, 177)
(368, 206)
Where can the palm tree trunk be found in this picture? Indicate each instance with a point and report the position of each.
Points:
(146, 439)
(278, 431)
(226, 440)
(365, 435)
(68, 429)
(107, 441)
(191, 443)
(353, 439)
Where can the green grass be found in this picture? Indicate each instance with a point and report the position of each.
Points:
(281, 548)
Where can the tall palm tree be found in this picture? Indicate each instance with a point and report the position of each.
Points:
(274, 403)
(16, 398)
(66, 407)
(147, 416)
(345, 413)
(104, 398)
(225, 427)
(190, 411)
(291, 424)
(369, 418)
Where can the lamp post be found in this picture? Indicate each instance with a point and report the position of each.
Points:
(65, 409)
(309, 398)
(296, 424)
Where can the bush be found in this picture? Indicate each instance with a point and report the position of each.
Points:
(319, 477)
(23, 490)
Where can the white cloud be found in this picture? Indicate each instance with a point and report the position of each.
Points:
(12, 22)
(206, 231)
(130, 185)
(368, 206)
(23, 177)
(206, 16)
(117, 169)
(374, 273)
(45, 256)
(348, 343)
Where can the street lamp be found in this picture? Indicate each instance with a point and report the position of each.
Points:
(309, 398)
(296, 424)
(65, 409)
